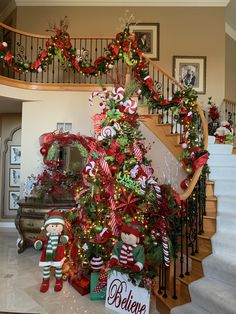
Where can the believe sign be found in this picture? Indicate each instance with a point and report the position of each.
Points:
(123, 297)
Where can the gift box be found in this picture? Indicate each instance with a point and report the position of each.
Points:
(81, 284)
(94, 281)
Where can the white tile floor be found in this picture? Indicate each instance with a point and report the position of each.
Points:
(20, 279)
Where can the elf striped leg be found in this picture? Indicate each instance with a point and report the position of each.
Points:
(59, 283)
(46, 276)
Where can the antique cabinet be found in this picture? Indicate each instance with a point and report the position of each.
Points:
(30, 218)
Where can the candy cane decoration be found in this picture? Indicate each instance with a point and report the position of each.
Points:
(101, 95)
(147, 170)
(156, 187)
(104, 164)
(113, 223)
(137, 152)
(165, 248)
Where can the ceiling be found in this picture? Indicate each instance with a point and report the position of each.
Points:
(8, 105)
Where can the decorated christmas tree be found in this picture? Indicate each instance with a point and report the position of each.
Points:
(118, 188)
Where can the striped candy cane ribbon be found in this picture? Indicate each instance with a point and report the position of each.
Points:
(113, 223)
(165, 248)
(137, 152)
(102, 95)
(104, 164)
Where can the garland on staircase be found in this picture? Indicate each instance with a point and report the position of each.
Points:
(124, 47)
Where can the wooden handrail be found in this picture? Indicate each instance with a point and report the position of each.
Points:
(50, 86)
(163, 72)
(232, 102)
(14, 30)
(197, 173)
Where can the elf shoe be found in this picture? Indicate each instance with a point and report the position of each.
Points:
(44, 285)
(58, 285)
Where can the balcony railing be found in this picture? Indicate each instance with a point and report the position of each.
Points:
(26, 47)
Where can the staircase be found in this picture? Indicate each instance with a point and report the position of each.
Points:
(215, 292)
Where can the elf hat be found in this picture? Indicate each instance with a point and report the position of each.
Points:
(132, 228)
(54, 217)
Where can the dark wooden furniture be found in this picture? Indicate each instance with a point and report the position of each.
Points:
(30, 218)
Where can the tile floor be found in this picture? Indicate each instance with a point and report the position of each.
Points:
(20, 279)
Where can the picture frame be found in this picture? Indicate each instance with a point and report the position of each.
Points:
(14, 177)
(191, 71)
(14, 197)
(15, 154)
(148, 38)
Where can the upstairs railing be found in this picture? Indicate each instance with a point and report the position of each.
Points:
(25, 47)
(229, 111)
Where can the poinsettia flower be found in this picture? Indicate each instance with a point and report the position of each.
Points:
(8, 58)
(43, 54)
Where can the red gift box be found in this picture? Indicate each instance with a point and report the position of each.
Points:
(82, 285)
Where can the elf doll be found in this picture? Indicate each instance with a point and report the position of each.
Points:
(52, 242)
(128, 253)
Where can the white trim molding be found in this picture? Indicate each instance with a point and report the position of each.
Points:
(125, 3)
(230, 31)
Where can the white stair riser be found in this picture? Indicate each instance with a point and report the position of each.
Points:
(226, 205)
(215, 303)
(224, 244)
(222, 172)
(225, 223)
(222, 160)
(224, 187)
(220, 149)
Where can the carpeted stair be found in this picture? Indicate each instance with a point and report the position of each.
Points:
(215, 293)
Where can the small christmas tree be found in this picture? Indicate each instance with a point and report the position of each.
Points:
(118, 188)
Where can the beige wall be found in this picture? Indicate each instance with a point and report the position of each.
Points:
(183, 31)
(230, 68)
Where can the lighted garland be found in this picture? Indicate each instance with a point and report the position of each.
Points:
(124, 47)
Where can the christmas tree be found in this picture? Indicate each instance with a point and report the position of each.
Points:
(118, 187)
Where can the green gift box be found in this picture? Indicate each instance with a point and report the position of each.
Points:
(101, 295)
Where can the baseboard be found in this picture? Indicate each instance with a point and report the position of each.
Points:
(8, 225)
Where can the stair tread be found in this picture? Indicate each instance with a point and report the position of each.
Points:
(209, 217)
(169, 301)
(210, 182)
(200, 256)
(215, 295)
(188, 308)
(204, 236)
(187, 279)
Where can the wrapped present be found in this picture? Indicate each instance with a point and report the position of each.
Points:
(97, 292)
(81, 284)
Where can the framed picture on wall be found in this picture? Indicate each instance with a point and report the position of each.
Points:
(14, 197)
(190, 71)
(148, 38)
(14, 177)
(15, 154)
